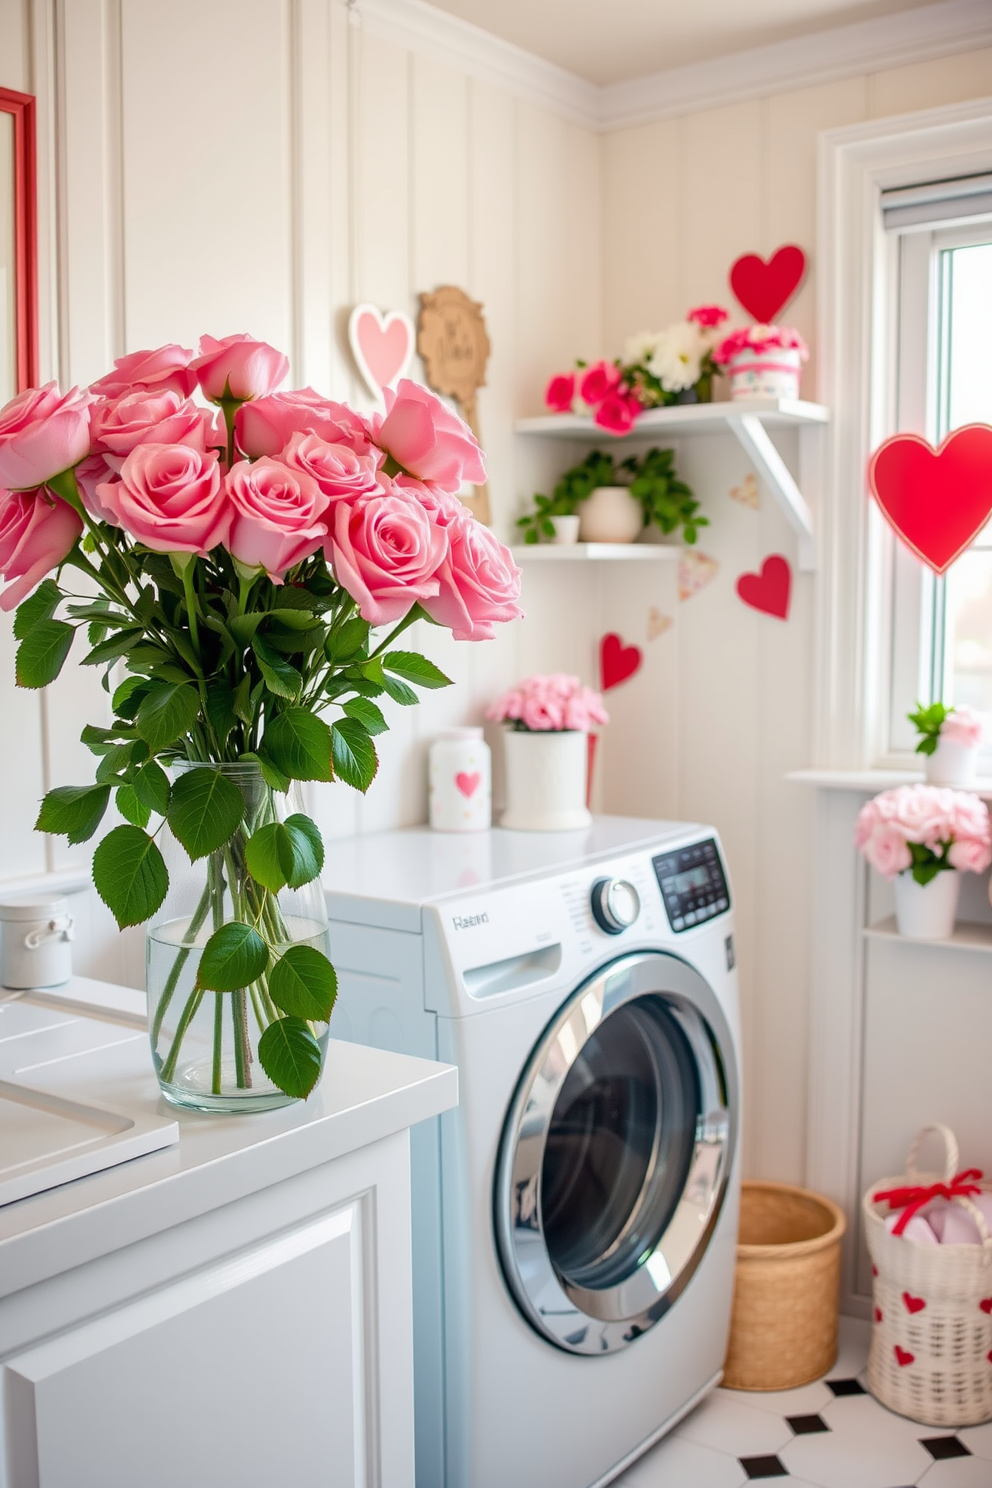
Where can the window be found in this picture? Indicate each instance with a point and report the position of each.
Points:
(940, 629)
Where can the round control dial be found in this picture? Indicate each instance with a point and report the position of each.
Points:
(615, 904)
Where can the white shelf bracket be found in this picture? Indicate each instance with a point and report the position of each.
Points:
(770, 465)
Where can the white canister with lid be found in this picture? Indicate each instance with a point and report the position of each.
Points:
(36, 947)
(460, 781)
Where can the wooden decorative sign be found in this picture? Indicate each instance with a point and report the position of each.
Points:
(454, 345)
(382, 345)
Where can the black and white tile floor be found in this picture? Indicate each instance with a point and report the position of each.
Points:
(831, 1434)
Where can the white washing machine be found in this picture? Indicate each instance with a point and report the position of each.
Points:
(575, 1218)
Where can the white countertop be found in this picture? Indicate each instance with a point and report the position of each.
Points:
(365, 1095)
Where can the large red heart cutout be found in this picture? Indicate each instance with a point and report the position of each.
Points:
(617, 662)
(936, 500)
(766, 288)
(768, 591)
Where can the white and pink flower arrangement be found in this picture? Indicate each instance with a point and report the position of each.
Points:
(554, 703)
(923, 830)
(239, 546)
(762, 361)
(658, 368)
(959, 725)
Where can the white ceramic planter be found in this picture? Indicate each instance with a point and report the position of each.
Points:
(927, 911)
(566, 530)
(952, 763)
(610, 514)
(36, 941)
(545, 781)
(765, 374)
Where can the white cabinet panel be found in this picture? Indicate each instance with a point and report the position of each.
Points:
(249, 1371)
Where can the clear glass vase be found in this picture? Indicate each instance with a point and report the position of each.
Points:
(205, 1043)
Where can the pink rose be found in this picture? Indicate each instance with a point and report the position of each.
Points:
(439, 504)
(265, 425)
(540, 714)
(141, 417)
(37, 532)
(869, 817)
(336, 468)
(963, 726)
(479, 583)
(42, 433)
(707, 315)
(598, 380)
(923, 813)
(385, 550)
(238, 367)
(617, 412)
(560, 392)
(165, 367)
(276, 521)
(554, 702)
(169, 497)
(427, 440)
(970, 855)
(584, 709)
(888, 852)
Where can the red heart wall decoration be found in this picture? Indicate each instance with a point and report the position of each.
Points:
(936, 500)
(617, 662)
(770, 590)
(382, 345)
(766, 288)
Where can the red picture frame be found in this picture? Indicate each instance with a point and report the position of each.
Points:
(22, 107)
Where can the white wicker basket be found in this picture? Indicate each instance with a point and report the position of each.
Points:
(931, 1347)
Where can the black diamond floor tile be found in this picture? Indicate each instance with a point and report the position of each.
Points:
(847, 1387)
(806, 1425)
(943, 1447)
(763, 1467)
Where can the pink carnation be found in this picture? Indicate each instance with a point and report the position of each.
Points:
(963, 726)
(560, 392)
(550, 704)
(707, 315)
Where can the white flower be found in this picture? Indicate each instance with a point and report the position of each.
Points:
(678, 356)
(640, 347)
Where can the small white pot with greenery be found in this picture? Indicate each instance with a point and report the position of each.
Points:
(618, 501)
(950, 739)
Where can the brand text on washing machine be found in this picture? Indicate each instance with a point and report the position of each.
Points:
(466, 922)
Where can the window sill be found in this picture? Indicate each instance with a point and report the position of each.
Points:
(871, 781)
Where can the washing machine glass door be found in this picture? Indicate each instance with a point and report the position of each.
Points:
(616, 1152)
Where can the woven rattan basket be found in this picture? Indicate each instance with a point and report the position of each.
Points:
(931, 1344)
(783, 1329)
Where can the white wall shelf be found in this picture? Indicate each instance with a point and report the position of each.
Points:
(585, 552)
(748, 421)
(969, 935)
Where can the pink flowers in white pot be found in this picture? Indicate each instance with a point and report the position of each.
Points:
(762, 361)
(919, 835)
(546, 751)
(553, 702)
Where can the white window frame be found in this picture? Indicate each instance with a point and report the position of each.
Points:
(857, 307)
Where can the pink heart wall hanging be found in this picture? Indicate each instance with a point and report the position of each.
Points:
(617, 662)
(770, 590)
(936, 500)
(382, 345)
(766, 288)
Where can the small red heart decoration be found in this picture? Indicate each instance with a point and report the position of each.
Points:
(986, 1304)
(769, 590)
(878, 1314)
(913, 1304)
(766, 288)
(874, 1270)
(989, 1356)
(617, 662)
(903, 1356)
(468, 784)
(936, 500)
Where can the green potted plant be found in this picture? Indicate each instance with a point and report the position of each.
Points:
(616, 502)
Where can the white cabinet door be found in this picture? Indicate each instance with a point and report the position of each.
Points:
(248, 1372)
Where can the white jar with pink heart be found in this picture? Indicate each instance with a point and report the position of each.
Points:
(460, 781)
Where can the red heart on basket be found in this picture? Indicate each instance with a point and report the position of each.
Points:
(903, 1357)
(617, 662)
(768, 591)
(874, 1270)
(913, 1304)
(878, 1314)
(766, 288)
(936, 500)
(468, 784)
(986, 1304)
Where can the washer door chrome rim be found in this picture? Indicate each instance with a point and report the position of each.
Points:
(599, 1308)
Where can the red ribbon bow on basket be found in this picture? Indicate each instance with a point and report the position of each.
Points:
(911, 1199)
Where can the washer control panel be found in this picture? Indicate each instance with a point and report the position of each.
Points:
(615, 904)
(693, 884)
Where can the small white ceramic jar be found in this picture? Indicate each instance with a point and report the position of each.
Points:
(610, 514)
(767, 373)
(460, 781)
(36, 945)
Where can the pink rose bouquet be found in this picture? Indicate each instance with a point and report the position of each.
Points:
(552, 703)
(244, 542)
(924, 829)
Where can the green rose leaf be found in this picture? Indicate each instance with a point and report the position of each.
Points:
(299, 744)
(289, 852)
(347, 642)
(280, 677)
(130, 875)
(151, 786)
(41, 605)
(399, 691)
(355, 759)
(302, 826)
(290, 1056)
(114, 647)
(233, 957)
(220, 708)
(130, 807)
(414, 668)
(204, 810)
(369, 715)
(168, 710)
(42, 652)
(304, 983)
(73, 810)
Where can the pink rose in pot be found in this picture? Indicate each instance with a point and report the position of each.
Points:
(276, 515)
(238, 367)
(427, 440)
(336, 468)
(479, 582)
(165, 367)
(42, 433)
(265, 425)
(887, 851)
(37, 531)
(169, 497)
(385, 551)
(141, 416)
